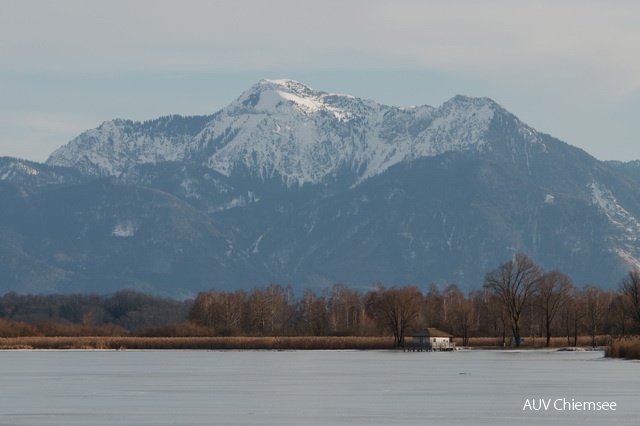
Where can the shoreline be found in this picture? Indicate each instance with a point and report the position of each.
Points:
(195, 343)
(280, 343)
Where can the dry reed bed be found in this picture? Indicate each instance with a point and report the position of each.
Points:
(623, 347)
(535, 342)
(627, 347)
(210, 343)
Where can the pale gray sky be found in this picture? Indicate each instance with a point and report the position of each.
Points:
(568, 68)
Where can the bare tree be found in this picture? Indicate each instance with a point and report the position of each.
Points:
(259, 309)
(596, 303)
(313, 313)
(554, 290)
(271, 308)
(344, 309)
(461, 313)
(487, 310)
(203, 309)
(434, 307)
(630, 287)
(450, 297)
(621, 312)
(220, 311)
(398, 308)
(231, 307)
(514, 282)
(572, 314)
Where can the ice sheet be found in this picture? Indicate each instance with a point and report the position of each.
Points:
(310, 387)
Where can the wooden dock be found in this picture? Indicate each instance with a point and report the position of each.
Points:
(423, 347)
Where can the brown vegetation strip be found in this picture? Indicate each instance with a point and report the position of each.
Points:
(211, 343)
(621, 348)
(536, 342)
(628, 348)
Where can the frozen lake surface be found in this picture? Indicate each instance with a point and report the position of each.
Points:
(312, 387)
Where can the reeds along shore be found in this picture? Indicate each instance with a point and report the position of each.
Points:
(260, 343)
(208, 343)
(626, 347)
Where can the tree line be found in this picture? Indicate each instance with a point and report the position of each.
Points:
(518, 300)
(73, 314)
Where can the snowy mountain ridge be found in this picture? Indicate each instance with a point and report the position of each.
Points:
(117, 145)
(285, 129)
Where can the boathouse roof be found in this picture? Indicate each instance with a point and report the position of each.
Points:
(431, 332)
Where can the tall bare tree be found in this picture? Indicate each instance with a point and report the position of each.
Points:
(399, 308)
(572, 314)
(231, 309)
(203, 311)
(344, 309)
(433, 307)
(630, 287)
(596, 303)
(554, 290)
(621, 313)
(514, 283)
(220, 311)
(461, 317)
(259, 308)
(271, 309)
(313, 313)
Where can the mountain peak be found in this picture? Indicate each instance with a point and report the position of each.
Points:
(286, 84)
(272, 96)
(471, 102)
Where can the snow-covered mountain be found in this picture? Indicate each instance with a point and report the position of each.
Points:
(284, 129)
(294, 185)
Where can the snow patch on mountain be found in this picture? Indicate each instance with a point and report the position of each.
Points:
(241, 200)
(124, 229)
(604, 198)
(624, 221)
(17, 168)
